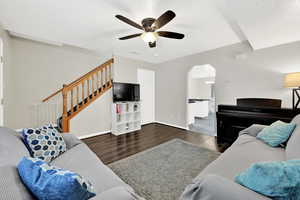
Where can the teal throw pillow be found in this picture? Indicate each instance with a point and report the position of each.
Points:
(277, 133)
(278, 180)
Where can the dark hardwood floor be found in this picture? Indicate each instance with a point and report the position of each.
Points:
(110, 148)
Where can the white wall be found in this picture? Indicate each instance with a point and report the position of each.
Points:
(255, 74)
(93, 119)
(125, 69)
(97, 116)
(8, 80)
(41, 69)
(198, 88)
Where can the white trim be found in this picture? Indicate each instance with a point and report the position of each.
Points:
(33, 38)
(148, 123)
(94, 134)
(174, 125)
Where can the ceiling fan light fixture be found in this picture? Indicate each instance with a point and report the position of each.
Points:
(149, 37)
(150, 26)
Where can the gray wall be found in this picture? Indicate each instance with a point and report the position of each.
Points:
(40, 69)
(240, 72)
(33, 70)
(125, 69)
(8, 81)
(97, 116)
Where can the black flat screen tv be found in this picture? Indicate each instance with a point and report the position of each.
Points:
(126, 92)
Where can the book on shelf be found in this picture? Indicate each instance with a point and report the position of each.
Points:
(118, 108)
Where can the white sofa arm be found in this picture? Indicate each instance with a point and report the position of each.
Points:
(253, 130)
(213, 187)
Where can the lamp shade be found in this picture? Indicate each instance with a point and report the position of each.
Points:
(292, 80)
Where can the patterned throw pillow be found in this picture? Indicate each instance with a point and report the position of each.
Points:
(45, 143)
(53, 183)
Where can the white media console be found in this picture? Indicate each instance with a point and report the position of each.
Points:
(126, 117)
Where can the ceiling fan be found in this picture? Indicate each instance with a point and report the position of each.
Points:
(150, 27)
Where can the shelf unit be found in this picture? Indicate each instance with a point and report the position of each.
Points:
(126, 117)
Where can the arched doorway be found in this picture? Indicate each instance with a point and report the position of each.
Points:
(201, 100)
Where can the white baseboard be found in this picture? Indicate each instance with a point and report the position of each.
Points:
(148, 123)
(94, 134)
(173, 125)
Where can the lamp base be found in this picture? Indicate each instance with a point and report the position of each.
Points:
(296, 95)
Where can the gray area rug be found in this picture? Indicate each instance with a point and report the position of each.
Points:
(162, 172)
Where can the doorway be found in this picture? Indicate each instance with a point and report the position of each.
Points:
(146, 79)
(201, 100)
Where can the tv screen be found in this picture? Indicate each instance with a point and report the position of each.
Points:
(126, 92)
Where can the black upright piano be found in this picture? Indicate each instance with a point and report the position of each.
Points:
(231, 119)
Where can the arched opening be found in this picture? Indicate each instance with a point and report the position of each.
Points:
(201, 106)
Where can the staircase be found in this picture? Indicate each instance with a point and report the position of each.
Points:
(82, 92)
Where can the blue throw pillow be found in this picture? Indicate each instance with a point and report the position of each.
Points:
(51, 183)
(277, 180)
(45, 143)
(277, 133)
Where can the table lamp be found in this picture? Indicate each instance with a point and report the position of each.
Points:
(292, 80)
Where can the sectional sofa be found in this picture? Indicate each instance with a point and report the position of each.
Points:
(78, 158)
(216, 181)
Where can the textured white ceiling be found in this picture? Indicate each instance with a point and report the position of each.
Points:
(207, 24)
(267, 23)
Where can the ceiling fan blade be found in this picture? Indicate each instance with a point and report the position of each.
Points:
(164, 19)
(152, 44)
(130, 36)
(128, 21)
(172, 35)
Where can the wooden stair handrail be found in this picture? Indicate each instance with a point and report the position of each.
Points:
(79, 80)
(87, 75)
(52, 95)
(89, 82)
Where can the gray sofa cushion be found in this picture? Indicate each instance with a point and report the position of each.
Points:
(118, 193)
(253, 130)
(78, 158)
(70, 140)
(213, 187)
(293, 145)
(245, 151)
(11, 186)
(12, 148)
(83, 161)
